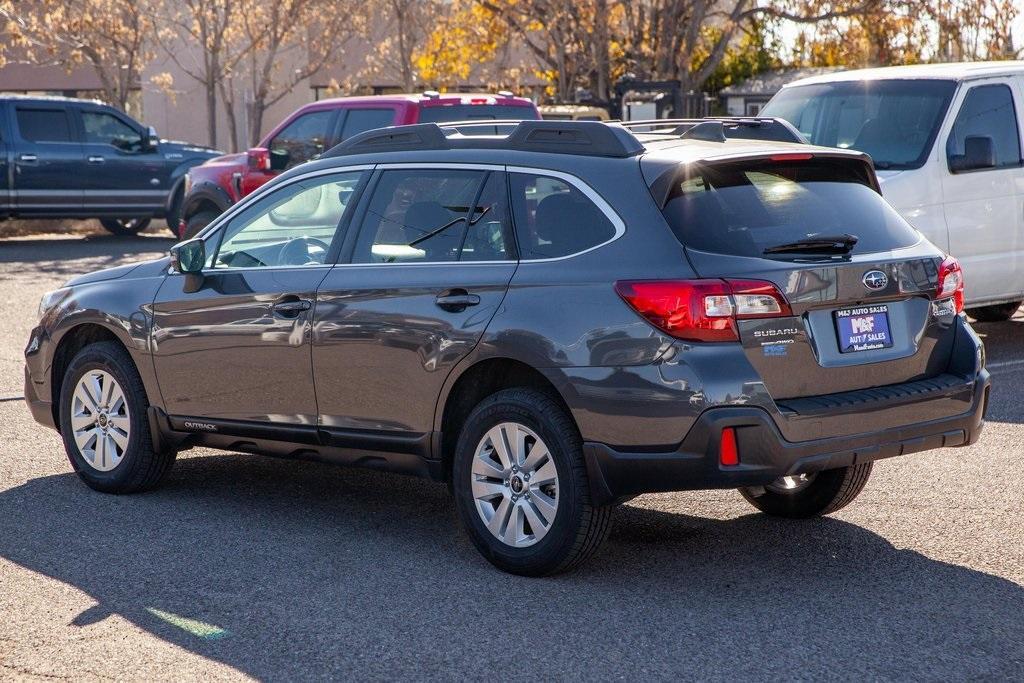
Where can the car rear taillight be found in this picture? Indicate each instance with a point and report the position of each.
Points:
(259, 159)
(703, 310)
(951, 282)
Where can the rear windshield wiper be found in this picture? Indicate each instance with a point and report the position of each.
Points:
(818, 244)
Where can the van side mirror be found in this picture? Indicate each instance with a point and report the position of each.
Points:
(188, 256)
(979, 152)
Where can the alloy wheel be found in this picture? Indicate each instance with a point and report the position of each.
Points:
(515, 484)
(100, 420)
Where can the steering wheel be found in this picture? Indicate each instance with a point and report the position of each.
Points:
(302, 251)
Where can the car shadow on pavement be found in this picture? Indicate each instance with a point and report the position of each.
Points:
(300, 570)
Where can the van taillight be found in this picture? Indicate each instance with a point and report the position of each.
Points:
(703, 310)
(951, 282)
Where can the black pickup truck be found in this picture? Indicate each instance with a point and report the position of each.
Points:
(69, 158)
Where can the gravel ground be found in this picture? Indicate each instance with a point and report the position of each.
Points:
(244, 566)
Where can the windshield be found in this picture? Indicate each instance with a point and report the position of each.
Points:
(753, 208)
(894, 121)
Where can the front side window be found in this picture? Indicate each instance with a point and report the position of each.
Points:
(429, 216)
(361, 120)
(103, 128)
(300, 141)
(987, 112)
(44, 125)
(895, 121)
(554, 218)
(292, 226)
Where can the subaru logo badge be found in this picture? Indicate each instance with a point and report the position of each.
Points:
(875, 279)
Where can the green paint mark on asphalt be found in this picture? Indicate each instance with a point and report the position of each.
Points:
(200, 629)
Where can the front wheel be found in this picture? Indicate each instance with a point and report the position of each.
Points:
(809, 495)
(197, 222)
(104, 424)
(125, 227)
(521, 486)
(995, 313)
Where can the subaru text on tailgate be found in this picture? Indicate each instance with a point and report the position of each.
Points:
(552, 321)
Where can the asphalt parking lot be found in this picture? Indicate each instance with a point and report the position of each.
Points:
(243, 566)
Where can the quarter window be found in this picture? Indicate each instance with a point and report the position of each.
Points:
(300, 141)
(293, 226)
(107, 129)
(44, 125)
(554, 218)
(427, 215)
(987, 111)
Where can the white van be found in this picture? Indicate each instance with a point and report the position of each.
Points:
(946, 141)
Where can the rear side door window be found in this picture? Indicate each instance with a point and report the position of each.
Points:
(987, 113)
(554, 218)
(300, 140)
(38, 124)
(435, 216)
(361, 120)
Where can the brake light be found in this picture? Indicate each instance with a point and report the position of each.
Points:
(259, 159)
(728, 453)
(703, 310)
(951, 282)
(802, 156)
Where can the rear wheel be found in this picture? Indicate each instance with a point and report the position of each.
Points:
(521, 486)
(809, 495)
(104, 423)
(124, 227)
(995, 313)
(197, 222)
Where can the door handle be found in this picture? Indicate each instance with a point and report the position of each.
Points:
(28, 157)
(96, 159)
(456, 300)
(290, 308)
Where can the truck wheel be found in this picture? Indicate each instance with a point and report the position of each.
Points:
(104, 422)
(197, 222)
(521, 486)
(124, 227)
(809, 495)
(173, 216)
(995, 313)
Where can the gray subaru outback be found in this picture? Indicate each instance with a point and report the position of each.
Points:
(551, 317)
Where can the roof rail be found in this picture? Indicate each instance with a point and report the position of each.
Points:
(741, 127)
(585, 138)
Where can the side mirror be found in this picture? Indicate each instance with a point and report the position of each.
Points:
(151, 141)
(188, 256)
(258, 159)
(979, 152)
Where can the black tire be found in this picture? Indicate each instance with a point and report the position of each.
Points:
(578, 528)
(995, 313)
(197, 222)
(173, 216)
(141, 468)
(827, 492)
(125, 227)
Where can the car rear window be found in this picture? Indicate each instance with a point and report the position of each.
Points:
(741, 209)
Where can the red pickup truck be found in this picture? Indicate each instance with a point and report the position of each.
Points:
(220, 182)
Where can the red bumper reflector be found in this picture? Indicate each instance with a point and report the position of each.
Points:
(728, 454)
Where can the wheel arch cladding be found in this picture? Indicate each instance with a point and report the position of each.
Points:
(73, 341)
(477, 382)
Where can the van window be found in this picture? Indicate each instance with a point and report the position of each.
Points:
(987, 111)
(895, 121)
(554, 218)
(741, 209)
(44, 125)
(430, 216)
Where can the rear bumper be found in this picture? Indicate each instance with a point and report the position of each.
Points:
(766, 455)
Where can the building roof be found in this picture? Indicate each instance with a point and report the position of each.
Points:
(950, 71)
(770, 82)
